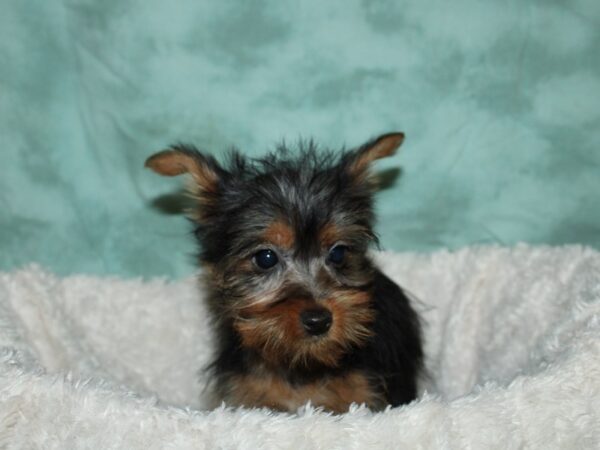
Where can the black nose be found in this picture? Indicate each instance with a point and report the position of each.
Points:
(316, 321)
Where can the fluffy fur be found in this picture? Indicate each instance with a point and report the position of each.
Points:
(312, 213)
(512, 341)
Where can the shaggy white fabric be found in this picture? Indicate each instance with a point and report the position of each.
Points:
(512, 344)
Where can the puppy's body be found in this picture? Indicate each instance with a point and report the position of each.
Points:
(300, 310)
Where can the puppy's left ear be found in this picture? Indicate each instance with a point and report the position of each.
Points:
(382, 147)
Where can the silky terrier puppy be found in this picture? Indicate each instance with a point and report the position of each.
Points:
(301, 311)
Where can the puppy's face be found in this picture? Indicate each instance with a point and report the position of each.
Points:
(284, 243)
(298, 292)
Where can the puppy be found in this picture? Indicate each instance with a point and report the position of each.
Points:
(301, 312)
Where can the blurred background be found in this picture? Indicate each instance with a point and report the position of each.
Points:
(500, 103)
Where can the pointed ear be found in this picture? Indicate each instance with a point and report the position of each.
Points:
(382, 147)
(182, 159)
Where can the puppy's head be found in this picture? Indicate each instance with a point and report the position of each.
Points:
(284, 243)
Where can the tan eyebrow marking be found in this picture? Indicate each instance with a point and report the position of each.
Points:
(280, 234)
(329, 234)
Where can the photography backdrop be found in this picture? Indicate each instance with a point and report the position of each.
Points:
(500, 103)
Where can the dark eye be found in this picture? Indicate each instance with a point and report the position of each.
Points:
(265, 259)
(337, 253)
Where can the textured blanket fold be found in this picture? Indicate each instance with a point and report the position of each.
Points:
(512, 345)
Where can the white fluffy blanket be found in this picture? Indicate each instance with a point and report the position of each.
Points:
(512, 344)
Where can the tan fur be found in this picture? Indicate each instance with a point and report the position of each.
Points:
(329, 235)
(352, 316)
(275, 330)
(383, 147)
(172, 163)
(280, 234)
(266, 389)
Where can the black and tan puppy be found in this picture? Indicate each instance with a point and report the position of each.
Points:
(301, 312)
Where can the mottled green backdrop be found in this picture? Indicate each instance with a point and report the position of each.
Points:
(500, 102)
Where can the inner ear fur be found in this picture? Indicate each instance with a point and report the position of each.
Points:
(381, 147)
(181, 159)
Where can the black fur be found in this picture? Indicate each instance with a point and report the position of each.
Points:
(308, 188)
(394, 353)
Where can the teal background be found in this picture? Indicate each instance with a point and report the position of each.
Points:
(500, 102)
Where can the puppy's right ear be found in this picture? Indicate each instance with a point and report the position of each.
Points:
(181, 159)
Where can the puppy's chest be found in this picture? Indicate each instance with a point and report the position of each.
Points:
(334, 393)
